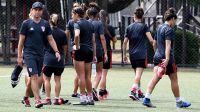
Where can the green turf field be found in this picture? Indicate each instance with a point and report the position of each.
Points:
(119, 84)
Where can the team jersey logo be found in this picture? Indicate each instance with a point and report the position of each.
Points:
(31, 29)
(30, 69)
(43, 28)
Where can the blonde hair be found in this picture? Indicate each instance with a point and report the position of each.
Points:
(54, 19)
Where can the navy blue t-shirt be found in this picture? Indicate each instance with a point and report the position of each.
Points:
(86, 32)
(108, 38)
(35, 37)
(61, 40)
(70, 27)
(136, 34)
(99, 30)
(164, 32)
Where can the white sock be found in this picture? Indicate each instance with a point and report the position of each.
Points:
(56, 97)
(178, 99)
(147, 95)
(135, 86)
(83, 98)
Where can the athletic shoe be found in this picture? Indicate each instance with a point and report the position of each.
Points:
(140, 94)
(95, 96)
(42, 92)
(101, 94)
(90, 100)
(106, 94)
(46, 102)
(56, 102)
(147, 102)
(134, 95)
(83, 100)
(75, 95)
(38, 104)
(26, 101)
(183, 104)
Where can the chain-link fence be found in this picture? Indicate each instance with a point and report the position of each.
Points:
(187, 50)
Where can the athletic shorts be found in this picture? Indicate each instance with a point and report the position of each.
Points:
(34, 65)
(48, 71)
(108, 64)
(83, 54)
(171, 68)
(140, 63)
(100, 59)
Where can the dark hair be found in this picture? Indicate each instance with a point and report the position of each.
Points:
(139, 12)
(92, 12)
(79, 11)
(54, 19)
(95, 5)
(84, 7)
(103, 17)
(169, 14)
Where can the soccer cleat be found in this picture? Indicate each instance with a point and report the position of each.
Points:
(26, 101)
(183, 104)
(140, 94)
(81, 103)
(91, 102)
(147, 102)
(56, 102)
(38, 104)
(46, 102)
(106, 94)
(134, 95)
(75, 95)
(95, 96)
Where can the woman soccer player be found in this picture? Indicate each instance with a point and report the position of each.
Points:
(51, 65)
(137, 33)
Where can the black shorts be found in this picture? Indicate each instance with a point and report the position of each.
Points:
(140, 63)
(100, 59)
(48, 71)
(108, 64)
(171, 68)
(34, 65)
(83, 54)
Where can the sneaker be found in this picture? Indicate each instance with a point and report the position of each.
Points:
(75, 95)
(38, 104)
(106, 94)
(56, 102)
(147, 102)
(183, 104)
(46, 102)
(83, 100)
(101, 94)
(26, 101)
(95, 96)
(81, 103)
(134, 95)
(90, 100)
(140, 94)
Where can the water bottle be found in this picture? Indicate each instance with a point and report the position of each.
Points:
(93, 69)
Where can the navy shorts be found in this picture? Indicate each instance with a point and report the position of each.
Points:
(83, 54)
(171, 68)
(108, 64)
(140, 63)
(48, 71)
(34, 65)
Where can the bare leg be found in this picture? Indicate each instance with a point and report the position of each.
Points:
(98, 75)
(47, 86)
(57, 86)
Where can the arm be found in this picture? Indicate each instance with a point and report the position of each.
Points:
(20, 47)
(150, 38)
(77, 39)
(167, 53)
(94, 47)
(124, 49)
(103, 42)
(54, 46)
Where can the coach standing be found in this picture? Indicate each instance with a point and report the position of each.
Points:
(33, 35)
